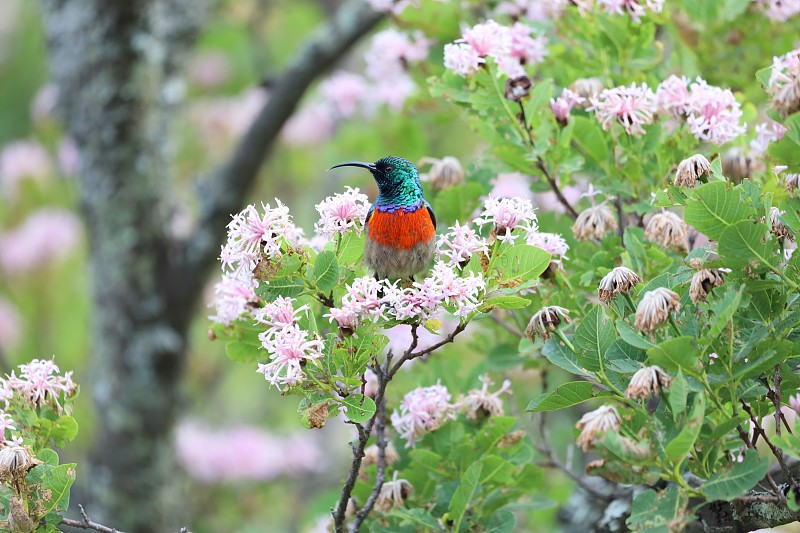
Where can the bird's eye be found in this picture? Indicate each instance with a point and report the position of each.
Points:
(389, 168)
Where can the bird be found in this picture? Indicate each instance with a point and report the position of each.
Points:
(400, 225)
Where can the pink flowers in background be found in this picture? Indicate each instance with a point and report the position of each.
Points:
(290, 348)
(209, 69)
(243, 453)
(552, 243)
(513, 48)
(673, 96)
(40, 384)
(10, 325)
(345, 91)
(458, 245)
(779, 10)
(506, 215)
(423, 410)
(309, 125)
(636, 9)
(22, 160)
(784, 83)
(400, 337)
(222, 120)
(342, 212)
(234, 296)
(714, 113)
(631, 107)
(45, 236)
(562, 106)
(766, 133)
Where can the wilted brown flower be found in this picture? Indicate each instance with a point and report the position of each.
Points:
(777, 227)
(482, 403)
(595, 423)
(444, 173)
(791, 182)
(692, 169)
(646, 381)
(619, 280)
(702, 283)
(545, 321)
(518, 88)
(667, 229)
(594, 222)
(511, 439)
(371, 455)
(586, 88)
(393, 494)
(655, 307)
(736, 166)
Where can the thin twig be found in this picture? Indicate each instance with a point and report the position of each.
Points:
(775, 450)
(506, 326)
(87, 523)
(410, 354)
(554, 186)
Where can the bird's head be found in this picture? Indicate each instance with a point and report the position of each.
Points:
(394, 175)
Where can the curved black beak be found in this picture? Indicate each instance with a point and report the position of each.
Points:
(368, 166)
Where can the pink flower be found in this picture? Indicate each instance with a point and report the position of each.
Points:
(344, 91)
(394, 7)
(634, 8)
(40, 384)
(489, 39)
(234, 454)
(309, 126)
(459, 245)
(445, 285)
(45, 236)
(10, 326)
(391, 51)
(780, 10)
(766, 133)
(44, 103)
(20, 160)
(507, 214)
(713, 113)
(535, 10)
(784, 83)
(251, 234)
(209, 69)
(371, 381)
(794, 403)
(673, 97)
(423, 410)
(552, 243)
(511, 185)
(69, 157)
(525, 47)
(462, 59)
(392, 91)
(362, 300)
(481, 402)
(289, 349)
(221, 120)
(562, 106)
(341, 213)
(279, 313)
(631, 107)
(234, 297)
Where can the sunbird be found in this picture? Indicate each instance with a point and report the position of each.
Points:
(400, 225)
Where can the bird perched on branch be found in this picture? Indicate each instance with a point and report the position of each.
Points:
(400, 225)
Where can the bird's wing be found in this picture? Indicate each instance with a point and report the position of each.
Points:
(430, 212)
(369, 214)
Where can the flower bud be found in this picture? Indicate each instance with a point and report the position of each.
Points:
(791, 182)
(667, 229)
(646, 381)
(692, 169)
(736, 166)
(702, 283)
(518, 88)
(654, 309)
(594, 222)
(15, 461)
(586, 88)
(444, 173)
(371, 455)
(480, 403)
(511, 439)
(619, 280)
(393, 494)
(545, 321)
(595, 423)
(777, 227)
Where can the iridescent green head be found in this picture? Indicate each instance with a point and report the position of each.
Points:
(397, 179)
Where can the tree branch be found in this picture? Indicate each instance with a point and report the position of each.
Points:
(224, 191)
(555, 188)
(410, 354)
(86, 523)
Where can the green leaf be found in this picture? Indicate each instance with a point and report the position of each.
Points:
(713, 207)
(560, 355)
(631, 336)
(745, 241)
(48, 456)
(359, 408)
(565, 395)
(659, 512)
(64, 430)
(504, 302)
(242, 352)
(522, 262)
(623, 358)
(593, 337)
(789, 443)
(677, 393)
(58, 482)
(457, 203)
(684, 441)
(675, 354)
(589, 136)
(326, 271)
(464, 493)
(418, 517)
(724, 310)
(501, 522)
(737, 478)
(351, 248)
(286, 287)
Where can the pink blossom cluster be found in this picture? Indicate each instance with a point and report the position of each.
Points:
(7, 424)
(363, 300)
(243, 453)
(779, 10)
(209, 69)
(712, 113)
(44, 236)
(562, 106)
(534, 10)
(631, 107)
(636, 9)
(507, 214)
(422, 410)
(221, 120)
(341, 213)
(784, 79)
(344, 91)
(766, 133)
(394, 7)
(552, 243)
(511, 185)
(458, 245)
(234, 297)
(22, 160)
(512, 48)
(390, 54)
(39, 384)
(290, 347)
(309, 125)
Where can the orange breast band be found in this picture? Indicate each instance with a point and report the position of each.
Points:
(401, 230)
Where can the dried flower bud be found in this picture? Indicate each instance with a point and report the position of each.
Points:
(736, 166)
(646, 381)
(594, 222)
(586, 88)
(15, 461)
(777, 227)
(595, 423)
(702, 283)
(371, 455)
(480, 403)
(518, 88)
(655, 307)
(692, 169)
(315, 415)
(19, 521)
(444, 173)
(667, 229)
(511, 439)
(791, 182)
(393, 494)
(619, 280)
(545, 321)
